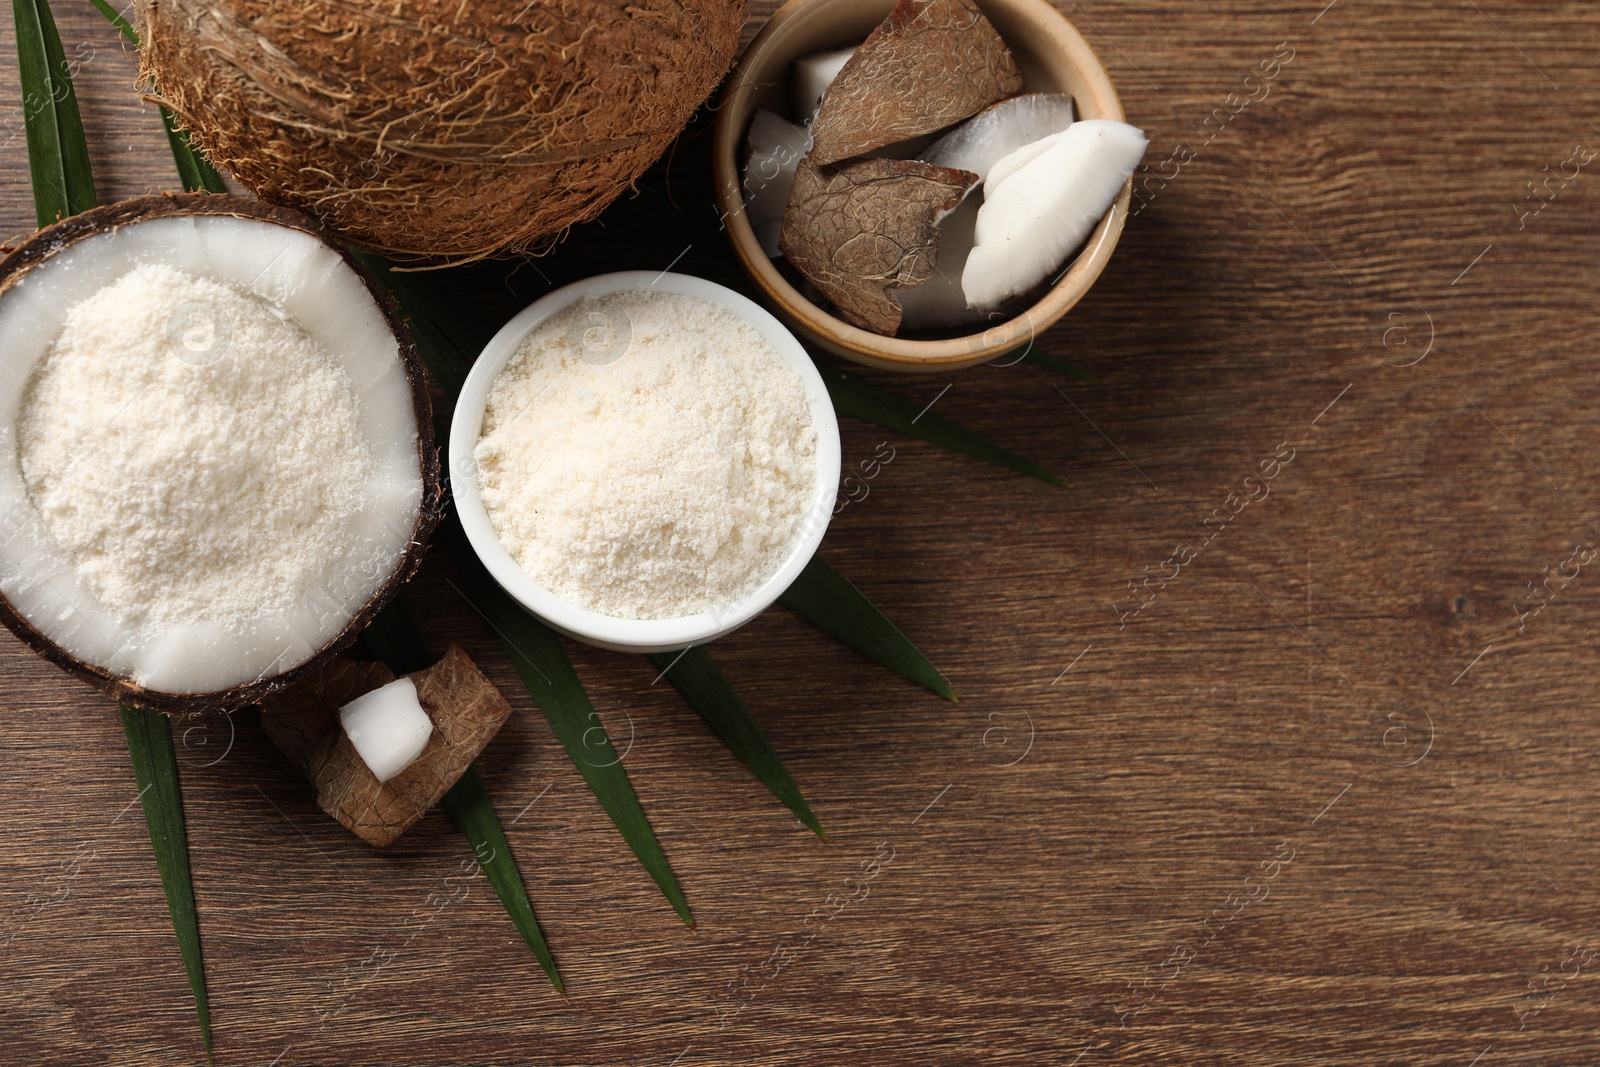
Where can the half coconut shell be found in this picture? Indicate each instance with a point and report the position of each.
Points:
(56, 239)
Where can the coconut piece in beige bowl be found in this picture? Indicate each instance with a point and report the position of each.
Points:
(1053, 57)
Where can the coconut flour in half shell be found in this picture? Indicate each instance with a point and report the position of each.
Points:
(193, 453)
(647, 455)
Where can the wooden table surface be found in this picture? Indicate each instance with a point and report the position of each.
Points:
(1327, 798)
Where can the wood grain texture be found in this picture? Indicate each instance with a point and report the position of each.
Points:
(1055, 869)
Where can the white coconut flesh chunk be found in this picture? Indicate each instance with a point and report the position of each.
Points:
(812, 76)
(1013, 161)
(939, 302)
(388, 727)
(201, 492)
(999, 130)
(776, 147)
(1035, 214)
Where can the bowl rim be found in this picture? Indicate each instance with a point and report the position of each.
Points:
(734, 108)
(596, 628)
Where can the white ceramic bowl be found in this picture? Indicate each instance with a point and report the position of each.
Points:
(636, 635)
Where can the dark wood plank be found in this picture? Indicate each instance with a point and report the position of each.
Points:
(1340, 672)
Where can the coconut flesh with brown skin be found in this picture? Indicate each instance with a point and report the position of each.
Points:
(280, 292)
(426, 129)
(464, 707)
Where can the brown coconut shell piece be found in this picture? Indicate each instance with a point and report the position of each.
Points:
(466, 709)
(63, 235)
(427, 129)
(858, 230)
(931, 63)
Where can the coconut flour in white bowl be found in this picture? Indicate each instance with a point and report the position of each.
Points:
(645, 461)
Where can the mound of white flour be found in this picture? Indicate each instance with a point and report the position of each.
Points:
(647, 455)
(195, 455)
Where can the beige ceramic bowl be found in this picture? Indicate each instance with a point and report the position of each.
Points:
(1053, 56)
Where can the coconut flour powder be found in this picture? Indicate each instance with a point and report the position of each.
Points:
(647, 455)
(193, 453)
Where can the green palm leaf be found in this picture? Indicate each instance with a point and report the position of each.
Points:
(155, 768)
(193, 171)
(536, 652)
(395, 638)
(115, 18)
(854, 396)
(696, 675)
(58, 154)
(824, 597)
(472, 810)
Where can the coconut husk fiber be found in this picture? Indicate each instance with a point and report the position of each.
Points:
(434, 130)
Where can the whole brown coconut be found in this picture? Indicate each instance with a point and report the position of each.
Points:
(431, 129)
